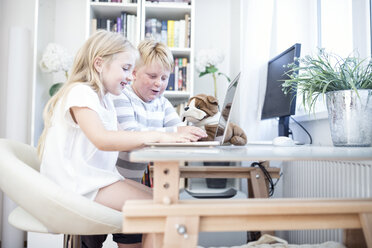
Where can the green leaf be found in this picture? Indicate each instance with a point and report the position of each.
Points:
(55, 87)
(221, 73)
(211, 69)
(203, 73)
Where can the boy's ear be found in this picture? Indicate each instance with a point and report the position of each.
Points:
(98, 64)
(134, 73)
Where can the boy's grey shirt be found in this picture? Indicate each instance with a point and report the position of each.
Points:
(133, 114)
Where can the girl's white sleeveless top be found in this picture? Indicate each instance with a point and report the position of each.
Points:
(69, 158)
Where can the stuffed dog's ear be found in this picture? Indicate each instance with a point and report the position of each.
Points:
(212, 99)
(188, 102)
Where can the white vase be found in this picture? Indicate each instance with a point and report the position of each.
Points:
(350, 117)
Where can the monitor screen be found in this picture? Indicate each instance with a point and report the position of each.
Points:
(276, 103)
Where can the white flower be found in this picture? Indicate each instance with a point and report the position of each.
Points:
(208, 57)
(55, 58)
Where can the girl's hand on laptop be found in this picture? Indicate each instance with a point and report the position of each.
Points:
(195, 131)
(177, 137)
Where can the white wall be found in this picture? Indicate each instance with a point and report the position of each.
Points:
(53, 27)
(13, 13)
(212, 31)
(69, 32)
(2, 96)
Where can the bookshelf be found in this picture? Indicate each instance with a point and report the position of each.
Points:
(104, 15)
(99, 12)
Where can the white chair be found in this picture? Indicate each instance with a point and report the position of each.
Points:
(44, 206)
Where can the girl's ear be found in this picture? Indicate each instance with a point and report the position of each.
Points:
(98, 64)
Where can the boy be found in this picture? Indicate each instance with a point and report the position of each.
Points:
(142, 105)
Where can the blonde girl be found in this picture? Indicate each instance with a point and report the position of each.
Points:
(80, 142)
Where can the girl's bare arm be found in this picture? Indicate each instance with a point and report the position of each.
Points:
(106, 140)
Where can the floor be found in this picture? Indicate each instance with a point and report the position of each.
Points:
(109, 243)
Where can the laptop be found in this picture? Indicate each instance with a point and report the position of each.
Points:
(223, 122)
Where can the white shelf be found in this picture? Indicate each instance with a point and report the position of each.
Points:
(113, 9)
(177, 97)
(166, 10)
(184, 52)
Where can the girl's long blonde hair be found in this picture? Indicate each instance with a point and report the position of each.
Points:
(101, 44)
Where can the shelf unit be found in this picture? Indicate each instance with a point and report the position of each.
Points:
(112, 10)
(145, 10)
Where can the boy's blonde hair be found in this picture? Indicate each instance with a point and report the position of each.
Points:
(101, 44)
(152, 51)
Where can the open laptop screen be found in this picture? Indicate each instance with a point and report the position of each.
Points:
(225, 111)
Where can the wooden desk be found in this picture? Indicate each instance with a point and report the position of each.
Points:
(177, 223)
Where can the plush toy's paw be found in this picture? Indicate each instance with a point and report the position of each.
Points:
(238, 136)
(210, 130)
(238, 141)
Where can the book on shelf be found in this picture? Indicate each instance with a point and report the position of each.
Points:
(170, 85)
(187, 2)
(187, 30)
(176, 74)
(153, 28)
(124, 21)
(93, 25)
(115, 1)
(180, 76)
(184, 72)
(108, 24)
(181, 34)
(170, 34)
(119, 25)
(174, 33)
(163, 34)
(126, 24)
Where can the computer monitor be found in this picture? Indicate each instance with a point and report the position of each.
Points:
(276, 103)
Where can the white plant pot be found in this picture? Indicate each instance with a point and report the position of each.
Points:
(350, 117)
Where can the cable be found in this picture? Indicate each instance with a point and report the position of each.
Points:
(268, 177)
(290, 133)
(311, 139)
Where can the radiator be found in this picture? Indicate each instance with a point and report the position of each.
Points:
(306, 179)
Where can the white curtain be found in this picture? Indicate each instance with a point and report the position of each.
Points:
(268, 28)
(256, 21)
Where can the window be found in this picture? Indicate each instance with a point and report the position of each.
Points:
(343, 28)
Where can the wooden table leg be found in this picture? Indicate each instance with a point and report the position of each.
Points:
(181, 232)
(354, 238)
(258, 188)
(159, 238)
(258, 183)
(166, 182)
(366, 220)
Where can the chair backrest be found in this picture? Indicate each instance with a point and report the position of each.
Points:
(59, 210)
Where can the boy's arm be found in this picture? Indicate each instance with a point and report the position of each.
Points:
(171, 118)
(127, 118)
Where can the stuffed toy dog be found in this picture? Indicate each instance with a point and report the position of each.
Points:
(202, 111)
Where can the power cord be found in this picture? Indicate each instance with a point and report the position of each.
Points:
(267, 176)
(311, 139)
(251, 235)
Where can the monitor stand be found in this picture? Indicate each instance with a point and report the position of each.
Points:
(283, 126)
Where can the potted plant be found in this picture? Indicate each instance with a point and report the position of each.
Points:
(347, 85)
(55, 58)
(206, 63)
